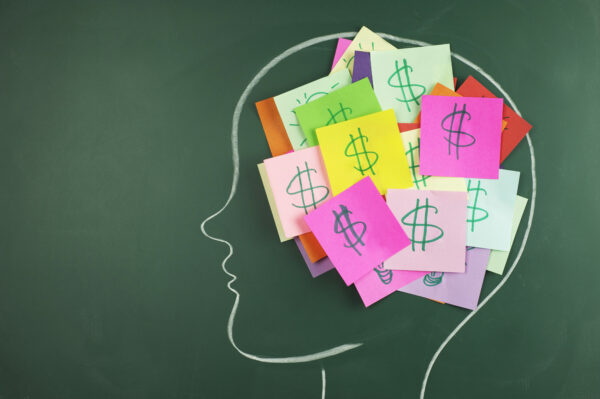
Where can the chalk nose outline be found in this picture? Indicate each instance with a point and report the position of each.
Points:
(236, 165)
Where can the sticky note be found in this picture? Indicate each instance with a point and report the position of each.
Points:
(304, 94)
(271, 201)
(299, 183)
(342, 45)
(312, 247)
(275, 133)
(490, 210)
(412, 142)
(458, 289)
(460, 136)
(405, 127)
(352, 101)
(315, 268)
(365, 40)
(401, 77)
(362, 66)
(498, 259)
(381, 282)
(367, 146)
(435, 223)
(357, 230)
(516, 127)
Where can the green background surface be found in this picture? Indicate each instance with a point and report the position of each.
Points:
(115, 123)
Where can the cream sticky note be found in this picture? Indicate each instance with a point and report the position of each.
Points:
(271, 200)
(365, 40)
(498, 259)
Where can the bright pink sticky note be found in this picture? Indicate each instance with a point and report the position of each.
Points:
(436, 224)
(342, 45)
(460, 136)
(299, 183)
(357, 230)
(380, 282)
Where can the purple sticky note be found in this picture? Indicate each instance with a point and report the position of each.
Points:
(342, 45)
(362, 66)
(460, 136)
(357, 230)
(380, 282)
(459, 289)
(315, 268)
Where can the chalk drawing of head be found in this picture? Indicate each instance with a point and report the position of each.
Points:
(247, 163)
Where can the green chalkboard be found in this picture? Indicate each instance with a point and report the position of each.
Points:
(115, 129)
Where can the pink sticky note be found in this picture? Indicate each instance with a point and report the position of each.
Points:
(436, 224)
(357, 230)
(460, 136)
(380, 282)
(299, 183)
(342, 45)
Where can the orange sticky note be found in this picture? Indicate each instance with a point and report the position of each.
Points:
(313, 249)
(277, 138)
(405, 127)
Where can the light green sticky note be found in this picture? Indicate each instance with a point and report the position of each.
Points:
(498, 259)
(265, 181)
(352, 101)
(287, 101)
(401, 77)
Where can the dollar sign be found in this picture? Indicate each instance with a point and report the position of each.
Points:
(370, 157)
(425, 225)
(408, 94)
(341, 113)
(455, 140)
(347, 227)
(433, 279)
(306, 187)
(413, 166)
(384, 275)
(474, 209)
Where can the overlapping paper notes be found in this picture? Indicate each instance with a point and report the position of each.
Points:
(383, 172)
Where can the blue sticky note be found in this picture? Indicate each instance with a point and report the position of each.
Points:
(490, 210)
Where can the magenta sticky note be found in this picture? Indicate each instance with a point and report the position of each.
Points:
(362, 66)
(299, 183)
(342, 45)
(459, 289)
(460, 136)
(315, 268)
(357, 230)
(381, 282)
(436, 224)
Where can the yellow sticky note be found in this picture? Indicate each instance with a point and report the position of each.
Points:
(367, 146)
(265, 181)
(365, 40)
(412, 144)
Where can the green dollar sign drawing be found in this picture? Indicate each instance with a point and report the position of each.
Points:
(413, 166)
(384, 275)
(364, 159)
(425, 226)
(310, 200)
(343, 115)
(408, 94)
(353, 231)
(473, 218)
(452, 130)
(432, 279)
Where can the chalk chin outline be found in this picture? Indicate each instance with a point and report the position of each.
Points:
(236, 168)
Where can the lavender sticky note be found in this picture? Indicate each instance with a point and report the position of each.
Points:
(315, 268)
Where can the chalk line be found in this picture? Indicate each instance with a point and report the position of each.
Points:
(324, 383)
(235, 158)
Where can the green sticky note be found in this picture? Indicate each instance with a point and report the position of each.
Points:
(498, 259)
(401, 77)
(265, 181)
(352, 101)
(288, 101)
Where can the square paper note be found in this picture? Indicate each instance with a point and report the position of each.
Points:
(460, 136)
(357, 230)
(402, 77)
(459, 289)
(435, 222)
(315, 268)
(352, 101)
(498, 259)
(491, 209)
(299, 183)
(366, 146)
(380, 282)
(286, 103)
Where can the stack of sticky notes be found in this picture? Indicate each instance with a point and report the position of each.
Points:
(387, 174)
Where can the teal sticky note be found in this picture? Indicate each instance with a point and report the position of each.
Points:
(352, 101)
(287, 101)
(490, 210)
(401, 77)
(498, 259)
